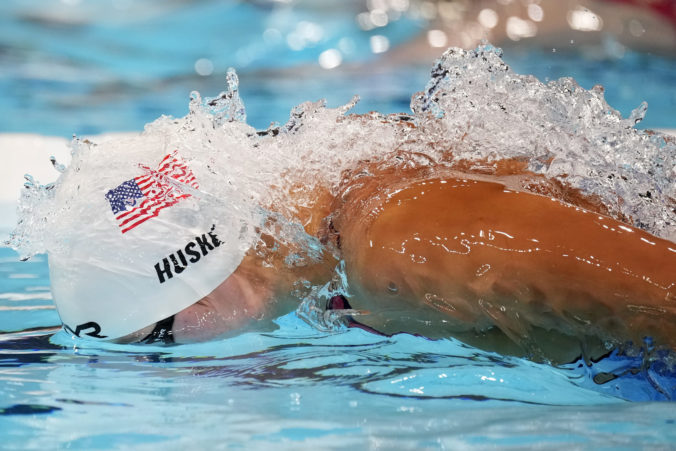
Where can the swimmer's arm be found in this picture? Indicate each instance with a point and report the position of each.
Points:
(416, 253)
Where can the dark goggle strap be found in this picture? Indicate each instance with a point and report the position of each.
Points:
(162, 332)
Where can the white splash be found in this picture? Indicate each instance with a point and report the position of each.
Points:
(474, 108)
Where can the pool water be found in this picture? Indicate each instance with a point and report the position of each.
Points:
(298, 387)
(295, 387)
(94, 67)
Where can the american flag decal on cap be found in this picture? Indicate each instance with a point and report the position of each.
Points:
(135, 201)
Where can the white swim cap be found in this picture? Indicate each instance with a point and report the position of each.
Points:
(147, 241)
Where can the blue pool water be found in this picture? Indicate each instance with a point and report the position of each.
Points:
(114, 65)
(295, 387)
(298, 387)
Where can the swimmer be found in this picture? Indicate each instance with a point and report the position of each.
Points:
(434, 252)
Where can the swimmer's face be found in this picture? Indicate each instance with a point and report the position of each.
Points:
(227, 309)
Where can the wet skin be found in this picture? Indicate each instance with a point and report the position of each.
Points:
(505, 270)
(496, 267)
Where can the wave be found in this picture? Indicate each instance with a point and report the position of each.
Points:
(474, 114)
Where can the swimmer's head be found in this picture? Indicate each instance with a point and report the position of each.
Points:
(144, 241)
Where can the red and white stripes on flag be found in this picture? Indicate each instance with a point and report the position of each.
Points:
(142, 198)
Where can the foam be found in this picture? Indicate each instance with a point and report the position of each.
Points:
(474, 108)
(25, 153)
